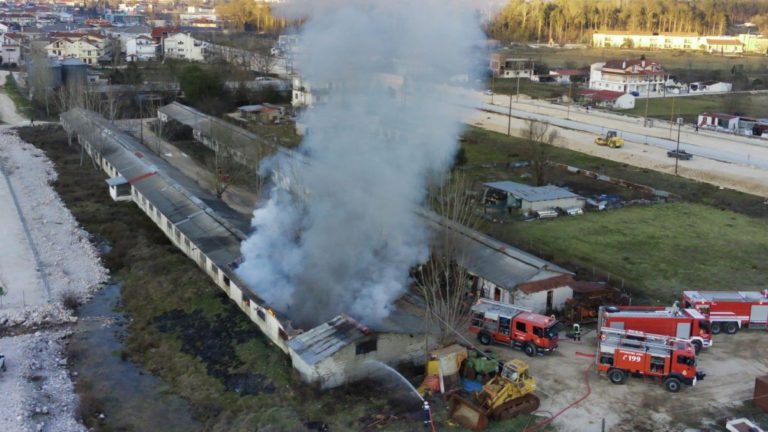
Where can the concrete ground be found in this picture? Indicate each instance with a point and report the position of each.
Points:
(743, 177)
(731, 365)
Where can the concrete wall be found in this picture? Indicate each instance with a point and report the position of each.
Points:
(564, 203)
(537, 301)
(346, 366)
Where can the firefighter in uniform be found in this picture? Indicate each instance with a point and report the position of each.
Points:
(577, 333)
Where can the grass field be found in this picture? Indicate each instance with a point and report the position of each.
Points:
(527, 87)
(659, 249)
(754, 105)
(720, 233)
(673, 60)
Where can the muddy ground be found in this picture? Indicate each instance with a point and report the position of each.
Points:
(731, 365)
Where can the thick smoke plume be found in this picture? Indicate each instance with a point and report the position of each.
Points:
(342, 234)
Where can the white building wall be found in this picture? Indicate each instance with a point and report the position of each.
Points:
(537, 302)
(346, 366)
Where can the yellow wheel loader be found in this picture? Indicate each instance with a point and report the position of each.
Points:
(611, 139)
(508, 394)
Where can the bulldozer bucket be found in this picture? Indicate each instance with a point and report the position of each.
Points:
(468, 414)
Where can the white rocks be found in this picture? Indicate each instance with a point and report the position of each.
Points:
(38, 394)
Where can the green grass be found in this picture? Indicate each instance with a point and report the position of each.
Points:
(488, 151)
(689, 107)
(23, 106)
(658, 249)
(560, 58)
(527, 87)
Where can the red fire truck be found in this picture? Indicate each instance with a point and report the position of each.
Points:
(687, 324)
(624, 352)
(730, 310)
(515, 326)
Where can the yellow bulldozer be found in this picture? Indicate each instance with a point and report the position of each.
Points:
(508, 394)
(611, 139)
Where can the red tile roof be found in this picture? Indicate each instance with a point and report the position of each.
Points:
(158, 32)
(601, 95)
(545, 284)
(724, 42)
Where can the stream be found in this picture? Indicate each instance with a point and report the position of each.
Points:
(132, 398)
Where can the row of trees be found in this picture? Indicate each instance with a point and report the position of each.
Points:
(252, 15)
(576, 20)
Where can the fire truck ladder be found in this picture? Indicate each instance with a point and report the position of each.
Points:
(652, 343)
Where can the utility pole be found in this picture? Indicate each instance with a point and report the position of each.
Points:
(671, 117)
(517, 98)
(647, 98)
(493, 85)
(570, 100)
(677, 156)
(509, 118)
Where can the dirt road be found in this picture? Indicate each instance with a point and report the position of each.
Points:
(8, 114)
(731, 365)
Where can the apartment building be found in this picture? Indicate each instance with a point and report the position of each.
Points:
(184, 46)
(726, 45)
(89, 47)
(638, 77)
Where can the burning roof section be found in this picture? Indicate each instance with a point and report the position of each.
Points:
(328, 338)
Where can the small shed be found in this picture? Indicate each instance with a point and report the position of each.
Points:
(608, 98)
(567, 76)
(265, 113)
(343, 350)
(531, 199)
(119, 188)
(719, 121)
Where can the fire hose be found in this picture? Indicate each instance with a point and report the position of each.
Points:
(571, 405)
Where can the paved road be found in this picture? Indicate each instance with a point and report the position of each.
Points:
(757, 156)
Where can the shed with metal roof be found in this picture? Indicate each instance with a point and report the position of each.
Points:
(530, 199)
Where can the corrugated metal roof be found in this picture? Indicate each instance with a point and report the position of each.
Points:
(328, 338)
(532, 193)
(198, 221)
(495, 261)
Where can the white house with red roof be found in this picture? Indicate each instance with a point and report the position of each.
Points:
(140, 48)
(11, 48)
(638, 77)
(718, 121)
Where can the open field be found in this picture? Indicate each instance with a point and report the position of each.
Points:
(527, 87)
(486, 149)
(672, 60)
(719, 232)
(659, 249)
(689, 107)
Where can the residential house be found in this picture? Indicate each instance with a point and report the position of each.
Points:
(306, 95)
(639, 77)
(184, 46)
(607, 99)
(89, 47)
(718, 121)
(140, 48)
(22, 19)
(503, 67)
(11, 48)
(265, 113)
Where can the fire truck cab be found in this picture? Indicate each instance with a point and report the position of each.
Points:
(515, 326)
(625, 352)
(730, 310)
(685, 324)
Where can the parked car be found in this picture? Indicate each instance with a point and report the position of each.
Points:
(679, 154)
(488, 92)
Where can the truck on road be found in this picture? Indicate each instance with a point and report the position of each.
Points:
(621, 353)
(496, 322)
(687, 324)
(730, 311)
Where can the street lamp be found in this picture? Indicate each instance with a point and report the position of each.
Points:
(677, 155)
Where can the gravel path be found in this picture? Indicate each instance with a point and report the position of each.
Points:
(37, 393)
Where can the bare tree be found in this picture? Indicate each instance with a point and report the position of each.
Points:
(112, 106)
(228, 165)
(263, 60)
(76, 95)
(444, 280)
(538, 140)
(40, 78)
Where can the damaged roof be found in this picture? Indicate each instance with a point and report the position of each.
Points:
(532, 193)
(327, 339)
(490, 259)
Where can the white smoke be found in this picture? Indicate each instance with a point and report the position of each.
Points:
(386, 124)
